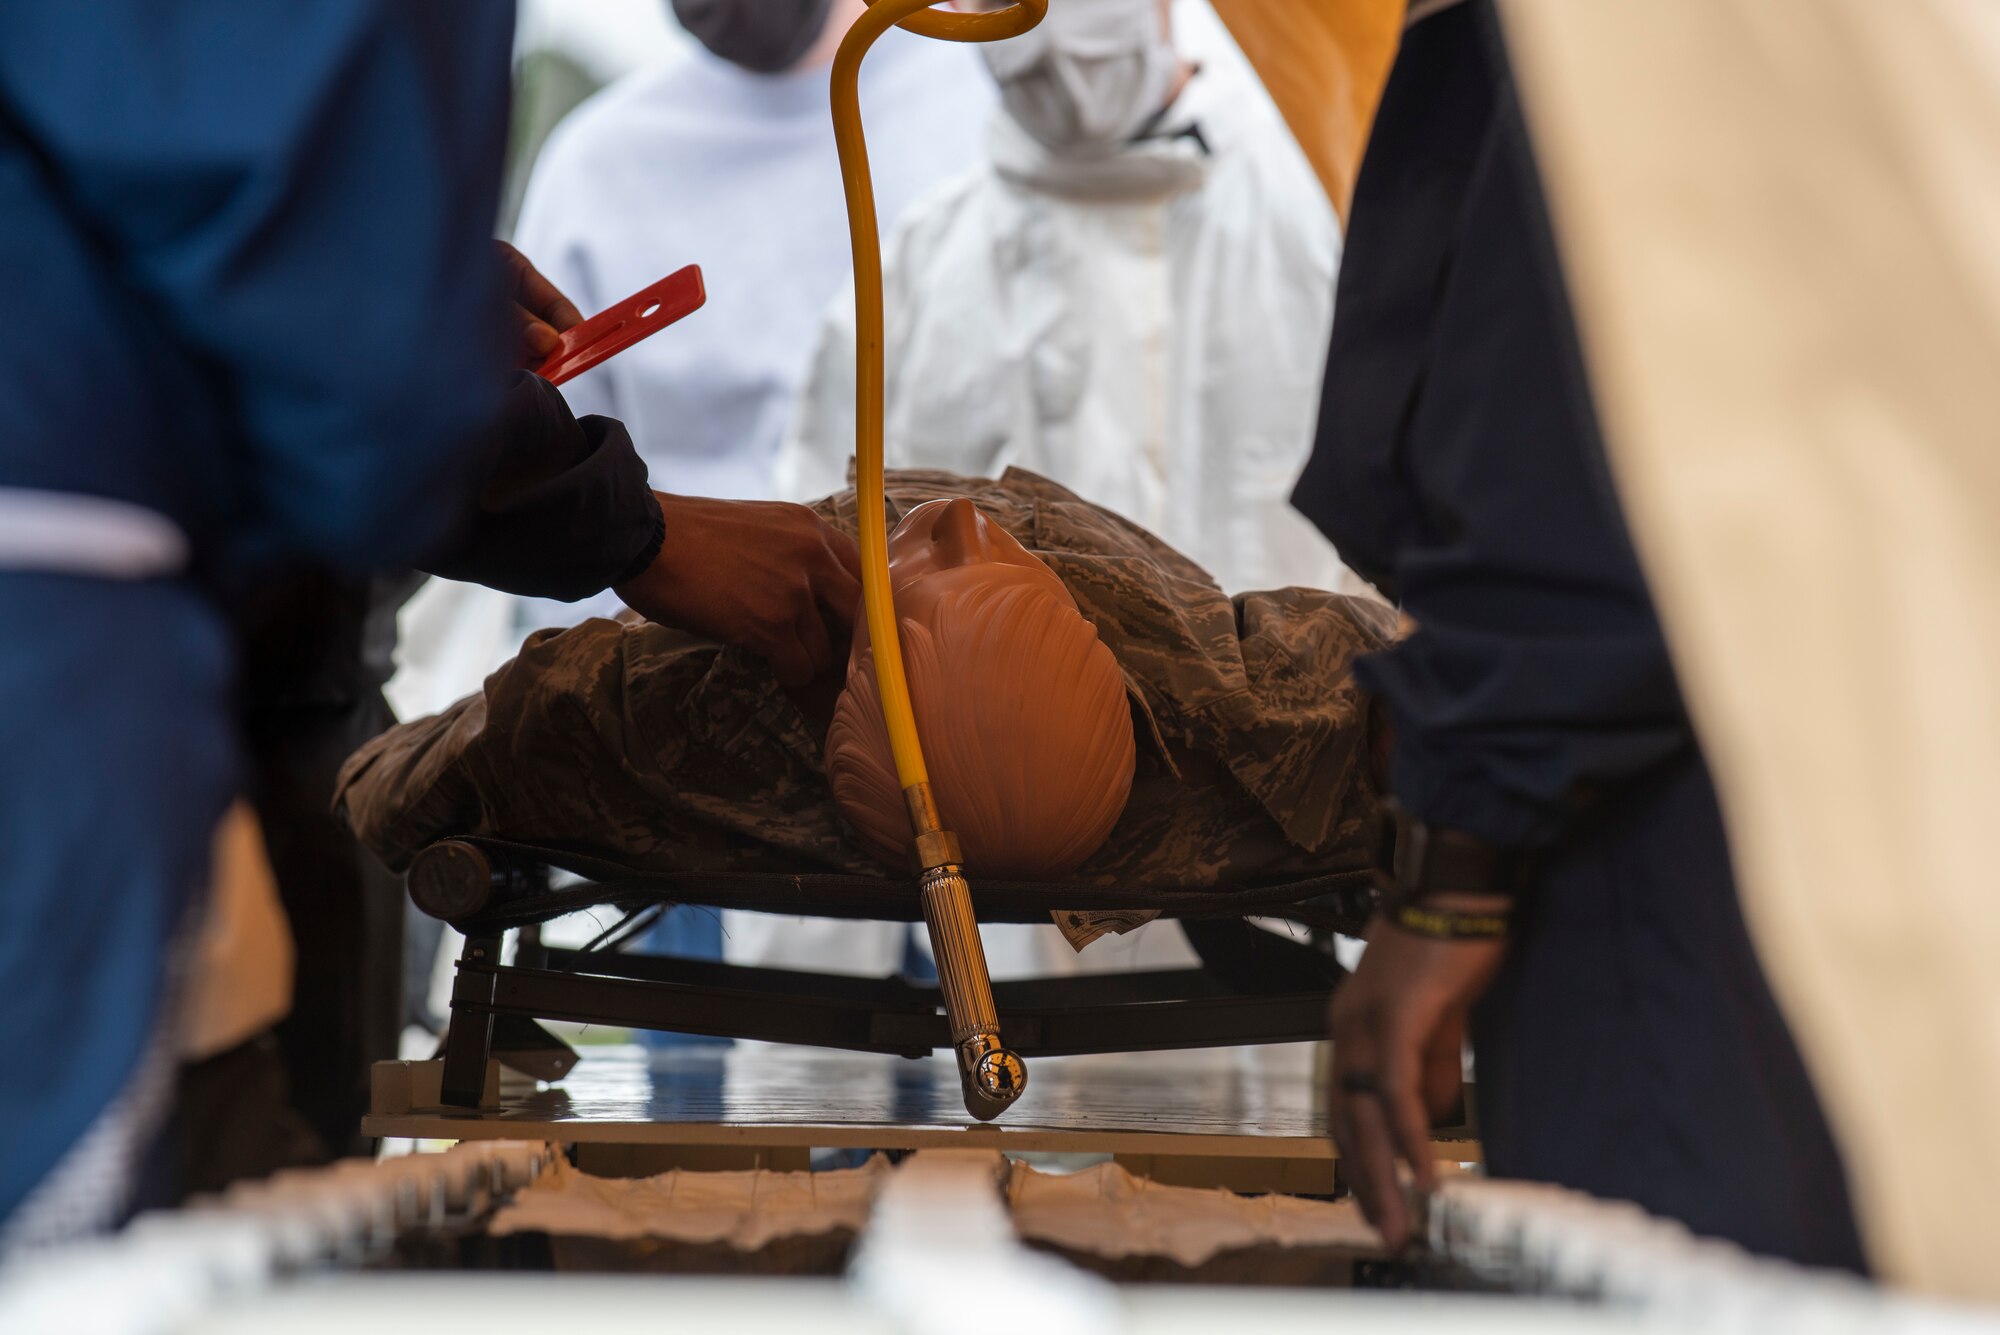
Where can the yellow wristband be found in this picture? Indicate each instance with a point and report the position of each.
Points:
(1447, 924)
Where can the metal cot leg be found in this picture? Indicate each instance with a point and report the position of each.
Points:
(470, 1040)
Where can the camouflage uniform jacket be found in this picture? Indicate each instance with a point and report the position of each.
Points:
(664, 751)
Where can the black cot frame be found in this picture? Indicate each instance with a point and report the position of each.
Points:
(1253, 986)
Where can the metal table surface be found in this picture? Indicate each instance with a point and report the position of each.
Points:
(1257, 1108)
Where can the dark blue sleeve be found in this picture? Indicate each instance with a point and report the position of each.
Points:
(1537, 678)
(564, 510)
(303, 192)
(1459, 467)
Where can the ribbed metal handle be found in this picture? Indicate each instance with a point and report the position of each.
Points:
(961, 959)
(992, 1076)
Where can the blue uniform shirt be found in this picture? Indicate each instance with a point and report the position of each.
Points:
(247, 266)
(249, 282)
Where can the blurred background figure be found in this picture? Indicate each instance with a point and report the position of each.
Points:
(1130, 294)
(723, 156)
(566, 53)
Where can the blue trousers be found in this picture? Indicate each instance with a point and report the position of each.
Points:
(686, 931)
(117, 744)
(1631, 1048)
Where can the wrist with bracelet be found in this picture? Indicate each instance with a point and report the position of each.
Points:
(1422, 869)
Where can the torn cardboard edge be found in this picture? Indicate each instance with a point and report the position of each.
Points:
(1103, 1211)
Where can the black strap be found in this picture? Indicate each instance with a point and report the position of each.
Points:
(1419, 859)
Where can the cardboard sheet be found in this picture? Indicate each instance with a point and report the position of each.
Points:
(746, 1210)
(1107, 1212)
(1103, 1212)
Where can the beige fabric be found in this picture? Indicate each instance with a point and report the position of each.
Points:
(241, 982)
(1325, 63)
(1781, 219)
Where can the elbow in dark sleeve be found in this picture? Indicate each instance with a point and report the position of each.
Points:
(564, 510)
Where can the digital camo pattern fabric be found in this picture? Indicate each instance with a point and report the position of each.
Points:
(664, 751)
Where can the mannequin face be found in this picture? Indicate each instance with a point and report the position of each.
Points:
(1021, 709)
(946, 547)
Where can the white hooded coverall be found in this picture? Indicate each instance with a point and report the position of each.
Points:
(1146, 327)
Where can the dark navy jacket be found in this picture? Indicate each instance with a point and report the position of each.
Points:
(1458, 468)
(1629, 1046)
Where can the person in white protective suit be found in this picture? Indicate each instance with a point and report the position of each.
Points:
(724, 157)
(1130, 295)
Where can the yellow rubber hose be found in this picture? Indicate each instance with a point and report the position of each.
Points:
(916, 16)
(992, 1076)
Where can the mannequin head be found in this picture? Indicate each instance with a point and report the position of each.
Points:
(1021, 709)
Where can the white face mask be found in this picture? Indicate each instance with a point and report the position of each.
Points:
(1091, 74)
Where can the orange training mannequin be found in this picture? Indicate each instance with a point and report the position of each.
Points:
(1022, 709)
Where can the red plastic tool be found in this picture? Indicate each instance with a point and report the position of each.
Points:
(623, 323)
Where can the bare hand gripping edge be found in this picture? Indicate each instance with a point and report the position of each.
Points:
(991, 1075)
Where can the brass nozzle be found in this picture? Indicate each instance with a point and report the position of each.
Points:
(992, 1077)
(936, 846)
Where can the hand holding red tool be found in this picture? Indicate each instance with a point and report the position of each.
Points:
(623, 323)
